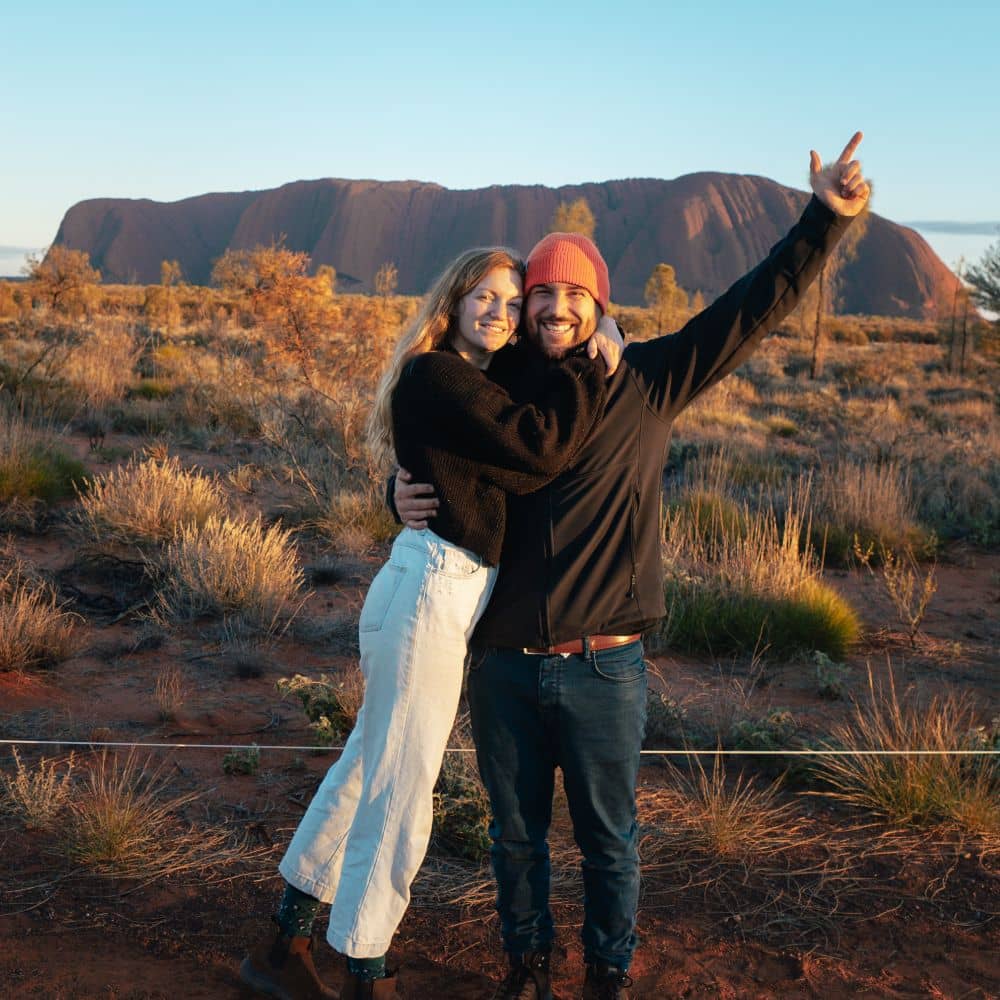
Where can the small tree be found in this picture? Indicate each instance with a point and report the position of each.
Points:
(386, 279)
(665, 298)
(573, 217)
(61, 278)
(829, 275)
(984, 278)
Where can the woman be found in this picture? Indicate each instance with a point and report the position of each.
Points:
(364, 836)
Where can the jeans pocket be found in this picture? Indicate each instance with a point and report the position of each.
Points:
(380, 597)
(619, 664)
(477, 657)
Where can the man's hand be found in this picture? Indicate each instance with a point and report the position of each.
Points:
(415, 502)
(606, 340)
(840, 185)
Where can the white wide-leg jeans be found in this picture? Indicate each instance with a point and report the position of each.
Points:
(366, 831)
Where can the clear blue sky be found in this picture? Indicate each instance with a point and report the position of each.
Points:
(171, 100)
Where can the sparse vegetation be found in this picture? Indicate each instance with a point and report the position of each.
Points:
(919, 779)
(331, 706)
(227, 568)
(148, 502)
(242, 761)
(36, 796)
(34, 631)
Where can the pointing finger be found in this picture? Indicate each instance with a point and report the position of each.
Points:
(848, 153)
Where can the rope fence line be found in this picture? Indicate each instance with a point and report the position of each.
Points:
(665, 752)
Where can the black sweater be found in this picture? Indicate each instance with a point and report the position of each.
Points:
(582, 555)
(455, 428)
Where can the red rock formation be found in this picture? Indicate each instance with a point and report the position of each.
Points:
(711, 227)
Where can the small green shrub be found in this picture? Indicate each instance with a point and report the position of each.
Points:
(830, 677)
(331, 707)
(461, 805)
(773, 731)
(242, 761)
(32, 466)
(666, 720)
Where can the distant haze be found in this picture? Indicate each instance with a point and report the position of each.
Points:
(954, 241)
(13, 260)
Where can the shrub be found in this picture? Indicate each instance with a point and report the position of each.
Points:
(461, 805)
(36, 796)
(929, 789)
(32, 466)
(750, 591)
(34, 631)
(123, 822)
(147, 502)
(225, 567)
(331, 707)
(665, 722)
(245, 761)
(867, 503)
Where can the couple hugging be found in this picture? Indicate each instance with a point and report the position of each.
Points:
(529, 486)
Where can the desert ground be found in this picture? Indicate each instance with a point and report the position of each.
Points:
(189, 523)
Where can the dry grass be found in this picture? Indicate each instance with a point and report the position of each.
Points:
(34, 630)
(147, 502)
(37, 796)
(941, 788)
(868, 503)
(226, 567)
(32, 465)
(124, 822)
(744, 583)
(170, 692)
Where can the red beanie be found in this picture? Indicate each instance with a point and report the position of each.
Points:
(569, 258)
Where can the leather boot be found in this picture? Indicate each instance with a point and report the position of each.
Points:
(356, 988)
(606, 982)
(528, 978)
(281, 966)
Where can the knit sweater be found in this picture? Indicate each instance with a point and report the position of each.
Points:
(455, 428)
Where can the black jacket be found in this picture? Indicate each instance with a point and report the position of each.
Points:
(582, 555)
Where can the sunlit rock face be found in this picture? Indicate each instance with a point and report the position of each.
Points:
(711, 227)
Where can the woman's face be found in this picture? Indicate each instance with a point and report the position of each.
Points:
(487, 316)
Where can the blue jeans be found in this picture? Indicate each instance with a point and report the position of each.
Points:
(585, 715)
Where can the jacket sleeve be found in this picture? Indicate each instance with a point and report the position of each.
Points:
(674, 369)
(518, 446)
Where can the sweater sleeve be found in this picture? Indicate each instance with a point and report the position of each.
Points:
(674, 369)
(517, 446)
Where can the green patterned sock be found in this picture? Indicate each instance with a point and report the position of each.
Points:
(297, 912)
(367, 968)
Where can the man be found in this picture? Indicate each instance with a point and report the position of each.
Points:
(557, 677)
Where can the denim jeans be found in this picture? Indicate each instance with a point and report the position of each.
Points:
(584, 714)
(364, 836)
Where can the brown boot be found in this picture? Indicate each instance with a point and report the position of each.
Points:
(281, 966)
(605, 982)
(356, 988)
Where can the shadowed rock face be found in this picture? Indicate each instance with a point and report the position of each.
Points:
(712, 227)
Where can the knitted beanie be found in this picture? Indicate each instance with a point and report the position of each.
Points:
(569, 258)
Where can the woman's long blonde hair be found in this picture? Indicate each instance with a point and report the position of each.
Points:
(429, 331)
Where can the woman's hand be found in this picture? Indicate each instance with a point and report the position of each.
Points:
(607, 341)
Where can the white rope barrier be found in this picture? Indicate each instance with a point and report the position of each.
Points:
(93, 744)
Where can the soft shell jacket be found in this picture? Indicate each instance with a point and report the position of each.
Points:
(581, 556)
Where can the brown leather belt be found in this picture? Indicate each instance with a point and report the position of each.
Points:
(588, 643)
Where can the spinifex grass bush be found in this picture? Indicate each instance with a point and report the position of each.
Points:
(147, 502)
(123, 821)
(750, 590)
(868, 504)
(32, 465)
(34, 630)
(939, 788)
(232, 568)
(36, 796)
